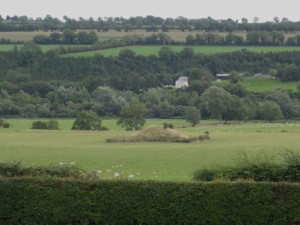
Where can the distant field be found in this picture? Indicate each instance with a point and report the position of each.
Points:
(263, 84)
(159, 161)
(5, 47)
(176, 35)
(45, 48)
(208, 50)
(22, 36)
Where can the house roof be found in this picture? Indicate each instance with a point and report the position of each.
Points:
(223, 75)
(182, 79)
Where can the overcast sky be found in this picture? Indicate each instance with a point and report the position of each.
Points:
(265, 10)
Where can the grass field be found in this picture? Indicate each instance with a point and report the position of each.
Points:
(7, 47)
(45, 48)
(263, 85)
(160, 161)
(208, 50)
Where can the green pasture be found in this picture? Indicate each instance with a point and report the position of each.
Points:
(8, 47)
(263, 84)
(208, 50)
(159, 161)
(45, 48)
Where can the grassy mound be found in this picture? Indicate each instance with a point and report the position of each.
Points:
(155, 134)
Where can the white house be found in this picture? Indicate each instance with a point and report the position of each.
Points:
(182, 82)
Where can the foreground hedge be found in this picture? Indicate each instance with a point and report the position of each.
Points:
(56, 201)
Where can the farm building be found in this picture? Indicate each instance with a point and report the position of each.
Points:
(182, 82)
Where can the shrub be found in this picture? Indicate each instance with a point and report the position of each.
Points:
(39, 125)
(45, 125)
(16, 169)
(87, 120)
(4, 124)
(257, 170)
(168, 125)
(204, 137)
(205, 175)
(104, 128)
(53, 125)
(292, 165)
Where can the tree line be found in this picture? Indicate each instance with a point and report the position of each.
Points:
(67, 37)
(37, 84)
(149, 23)
(256, 38)
(224, 103)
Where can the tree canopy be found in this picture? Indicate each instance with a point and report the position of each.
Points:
(217, 101)
(87, 120)
(132, 115)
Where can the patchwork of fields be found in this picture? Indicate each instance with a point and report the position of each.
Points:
(159, 161)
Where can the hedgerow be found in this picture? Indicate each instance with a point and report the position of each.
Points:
(17, 169)
(257, 170)
(30, 201)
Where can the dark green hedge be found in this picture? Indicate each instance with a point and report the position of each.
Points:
(62, 202)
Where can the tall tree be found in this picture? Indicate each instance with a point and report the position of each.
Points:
(217, 101)
(87, 120)
(270, 111)
(132, 115)
(192, 115)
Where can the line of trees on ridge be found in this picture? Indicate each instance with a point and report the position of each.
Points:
(149, 23)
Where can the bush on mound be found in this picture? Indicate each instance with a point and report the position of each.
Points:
(156, 134)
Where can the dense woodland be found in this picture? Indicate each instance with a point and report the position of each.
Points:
(37, 84)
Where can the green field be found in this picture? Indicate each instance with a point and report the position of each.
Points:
(45, 48)
(153, 50)
(160, 161)
(208, 50)
(7, 47)
(261, 85)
